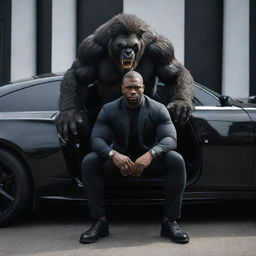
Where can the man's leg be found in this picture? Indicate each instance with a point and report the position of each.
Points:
(175, 181)
(93, 171)
(94, 184)
(172, 167)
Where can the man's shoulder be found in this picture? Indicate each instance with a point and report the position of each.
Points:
(112, 104)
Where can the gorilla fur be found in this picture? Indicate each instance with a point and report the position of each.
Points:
(123, 43)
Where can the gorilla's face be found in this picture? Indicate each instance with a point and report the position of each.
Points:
(126, 51)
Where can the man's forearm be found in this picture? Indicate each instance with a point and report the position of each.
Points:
(165, 145)
(101, 147)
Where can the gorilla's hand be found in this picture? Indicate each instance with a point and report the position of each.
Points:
(180, 111)
(67, 121)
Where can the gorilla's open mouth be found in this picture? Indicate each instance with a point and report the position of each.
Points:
(127, 63)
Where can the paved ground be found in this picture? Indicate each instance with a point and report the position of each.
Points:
(225, 229)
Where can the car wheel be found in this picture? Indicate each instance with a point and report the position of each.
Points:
(15, 188)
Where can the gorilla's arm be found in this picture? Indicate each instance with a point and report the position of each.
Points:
(174, 75)
(181, 85)
(76, 80)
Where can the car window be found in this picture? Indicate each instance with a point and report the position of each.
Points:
(204, 98)
(40, 97)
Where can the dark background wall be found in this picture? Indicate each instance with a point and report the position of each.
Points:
(203, 41)
(5, 41)
(44, 36)
(93, 13)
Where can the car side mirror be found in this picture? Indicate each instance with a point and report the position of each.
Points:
(226, 100)
(252, 99)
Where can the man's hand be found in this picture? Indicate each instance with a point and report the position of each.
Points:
(142, 163)
(123, 162)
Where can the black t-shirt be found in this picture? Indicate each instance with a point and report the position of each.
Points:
(134, 150)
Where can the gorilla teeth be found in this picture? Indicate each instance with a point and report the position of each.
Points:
(127, 64)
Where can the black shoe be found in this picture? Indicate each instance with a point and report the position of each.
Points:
(172, 230)
(98, 229)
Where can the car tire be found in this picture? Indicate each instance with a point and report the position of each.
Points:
(15, 188)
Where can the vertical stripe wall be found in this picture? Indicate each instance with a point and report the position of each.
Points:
(203, 41)
(93, 13)
(235, 80)
(23, 39)
(215, 38)
(44, 36)
(252, 47)
(165, 16)
(63, 34)
(5, 41)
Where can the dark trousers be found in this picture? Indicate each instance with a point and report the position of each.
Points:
(171, 166)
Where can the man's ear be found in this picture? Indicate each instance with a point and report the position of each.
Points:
(122, 89)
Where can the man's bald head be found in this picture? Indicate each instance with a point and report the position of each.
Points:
(133, 75)
(132, 89)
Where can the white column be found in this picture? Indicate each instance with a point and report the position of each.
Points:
(23, 39)
(167, 17)
(235, 81)
(63, 34)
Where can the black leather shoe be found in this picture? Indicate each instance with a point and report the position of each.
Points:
(172, 230)
(98, 229)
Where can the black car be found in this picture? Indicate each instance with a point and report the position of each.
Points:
(218, 145)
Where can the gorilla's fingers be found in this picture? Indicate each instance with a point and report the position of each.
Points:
(58, 126)
(189, 112)
(73, 127)
(170, 108)
(174, 109)
(65, 131)
(183, 116)
(179, 110)
(79, 118)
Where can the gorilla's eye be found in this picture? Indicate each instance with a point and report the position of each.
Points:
(121, 45)
(135, 47)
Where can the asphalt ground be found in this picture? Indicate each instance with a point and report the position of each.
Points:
(215, 229)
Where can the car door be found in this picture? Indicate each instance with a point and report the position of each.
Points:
(27, 126)
(226, 134)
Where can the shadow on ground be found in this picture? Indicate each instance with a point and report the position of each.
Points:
(57, 228)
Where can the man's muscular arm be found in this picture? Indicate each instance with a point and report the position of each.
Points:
(100, 140)
(167, 140)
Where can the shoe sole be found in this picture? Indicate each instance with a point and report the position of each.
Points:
(164, 234)
(90, 241)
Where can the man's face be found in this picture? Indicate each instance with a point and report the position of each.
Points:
(132, 90)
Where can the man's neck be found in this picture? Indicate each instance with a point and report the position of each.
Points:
(132, 106)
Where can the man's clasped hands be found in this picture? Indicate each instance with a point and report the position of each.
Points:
(128, 167)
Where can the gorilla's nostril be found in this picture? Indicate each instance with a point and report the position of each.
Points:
(128, 52)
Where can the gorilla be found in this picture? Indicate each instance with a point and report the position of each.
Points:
(123, 43)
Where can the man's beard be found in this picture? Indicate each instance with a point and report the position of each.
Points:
(133, 102)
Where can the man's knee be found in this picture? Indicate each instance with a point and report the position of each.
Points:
(89, 161)
(173, 156)
(176, 169)
(92, 157)
(174, 160)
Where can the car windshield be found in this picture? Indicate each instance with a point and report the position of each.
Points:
(209, 90)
